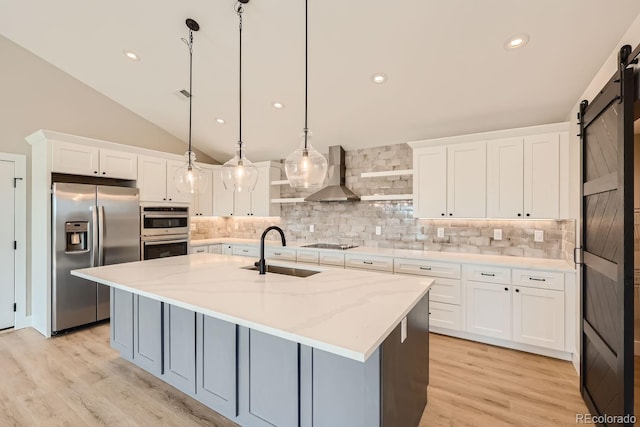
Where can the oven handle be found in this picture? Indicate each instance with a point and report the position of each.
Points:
(162, 242)
(164, 216)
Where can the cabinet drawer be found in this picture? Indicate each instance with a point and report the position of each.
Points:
(199, 250)
(446, 290)
(426, 268)
(491, 274)
(280, 253)
(368, 262)
(332, 259)
(539, 279)
(303, 255)
(250, 251)
(215, 249)
(227, 249)
(445, 316)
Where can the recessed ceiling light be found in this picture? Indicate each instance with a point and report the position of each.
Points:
(220, 120)
(516, 41)
(379, 78)
(278, 105)
(131, 55)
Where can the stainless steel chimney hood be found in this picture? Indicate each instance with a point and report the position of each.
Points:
(336, 190)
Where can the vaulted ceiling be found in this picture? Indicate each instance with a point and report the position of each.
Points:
(448, 70)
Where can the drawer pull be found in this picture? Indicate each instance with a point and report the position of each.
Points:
(488, 274)
(277, 253)
(425, 268)
(537, 279)
(367, 262)
(245, 250)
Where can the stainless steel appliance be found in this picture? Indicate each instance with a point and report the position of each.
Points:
(164, 231)
(330, 246)
(93, 225)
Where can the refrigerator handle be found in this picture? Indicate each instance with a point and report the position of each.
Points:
(101, 235)
(94, 235)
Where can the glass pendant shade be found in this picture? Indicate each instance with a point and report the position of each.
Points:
(306, 167)
(239, 174)
(190, 178)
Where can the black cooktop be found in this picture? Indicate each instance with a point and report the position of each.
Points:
(329, 246)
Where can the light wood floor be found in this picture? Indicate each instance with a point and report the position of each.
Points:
(78, 380)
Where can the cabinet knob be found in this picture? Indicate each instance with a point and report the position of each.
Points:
(95, 172)
(164, 198)
(442, 214)
(170, 199)
(528, 214)
(104, 173)
(517, 290)
(506, 289)
(450, 214)
(519, 214)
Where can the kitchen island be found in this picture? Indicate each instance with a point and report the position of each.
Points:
(337, 348)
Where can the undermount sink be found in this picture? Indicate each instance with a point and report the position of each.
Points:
(287, 271)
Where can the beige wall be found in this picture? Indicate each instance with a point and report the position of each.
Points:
(36, 95)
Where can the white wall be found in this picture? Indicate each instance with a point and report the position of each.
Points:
(631, 37)
(36, 95)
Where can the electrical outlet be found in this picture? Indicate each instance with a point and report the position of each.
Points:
(312, 228)
(378, 230)
(440, 232)
(538, 236)
(497, 234)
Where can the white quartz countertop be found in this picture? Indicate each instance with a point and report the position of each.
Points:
(345, 312)
(458, 257)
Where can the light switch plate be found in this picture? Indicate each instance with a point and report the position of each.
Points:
(440, 232)
(538, 236)
(403, 330)
(497, 234)
(378, 230)
(312, 228)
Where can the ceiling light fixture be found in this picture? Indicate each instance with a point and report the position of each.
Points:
(516, 41)
(220, 121)
(189, 178)
(379, 78)
(131, 55)
(278, 105)
(239, 174)
(306, 167)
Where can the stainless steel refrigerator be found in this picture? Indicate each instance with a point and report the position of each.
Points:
(93, 225)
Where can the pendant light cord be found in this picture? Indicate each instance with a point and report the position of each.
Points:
(306, 69)
(239, 10)
(190, 162)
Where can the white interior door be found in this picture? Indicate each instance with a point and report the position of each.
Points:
(7, 251)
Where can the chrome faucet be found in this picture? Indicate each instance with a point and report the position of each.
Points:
(262, 263)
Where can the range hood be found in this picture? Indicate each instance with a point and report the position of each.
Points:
(335, 191)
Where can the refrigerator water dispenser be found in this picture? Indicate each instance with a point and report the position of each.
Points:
(76, 236)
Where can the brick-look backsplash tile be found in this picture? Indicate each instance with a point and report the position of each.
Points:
(355, 222)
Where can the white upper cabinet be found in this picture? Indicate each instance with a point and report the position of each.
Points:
(450, 181)
(524, 177)
(542, 182)
(255, 203)
(156, 180)
(514, 173)
(467, 180)
(77, 159)
(429, 182)
(203, 200)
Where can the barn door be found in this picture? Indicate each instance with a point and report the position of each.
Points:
(606, 377)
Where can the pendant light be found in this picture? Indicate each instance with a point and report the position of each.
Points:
(189, 178)
(306, 167)
(239, 174)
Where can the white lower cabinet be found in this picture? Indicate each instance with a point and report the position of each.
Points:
(488, 309)
(215, 249)
(199, 250)
(538, 317)
(448, 316)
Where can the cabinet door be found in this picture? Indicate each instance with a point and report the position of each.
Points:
(488, 309)
(74, 159)
(199, 250)
(215, 249)
(542, 176)
(203, 205)
(430, 183)
(152, 179)
(118, 164)
(222, 198)
(467, 180)
(121, 323)
(180, 348)
(538, 317)
(147, 334)
(173, 195)
(504, 178)
(261, 197)
(242, 203)
(216, 358)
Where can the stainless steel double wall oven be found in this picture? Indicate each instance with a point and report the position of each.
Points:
(164, 231)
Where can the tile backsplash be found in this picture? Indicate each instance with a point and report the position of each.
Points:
(356, 222)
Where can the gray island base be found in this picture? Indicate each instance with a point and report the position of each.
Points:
(257, 378)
